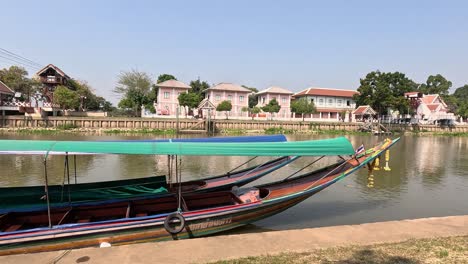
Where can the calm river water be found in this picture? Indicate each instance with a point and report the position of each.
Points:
(428, 177)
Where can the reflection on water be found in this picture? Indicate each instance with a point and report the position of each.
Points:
(428, 177)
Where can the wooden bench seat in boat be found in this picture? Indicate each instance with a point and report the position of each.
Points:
(13, 227)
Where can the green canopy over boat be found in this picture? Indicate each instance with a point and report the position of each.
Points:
(336, 146)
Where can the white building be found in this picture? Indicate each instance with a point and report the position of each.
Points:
(329, 102)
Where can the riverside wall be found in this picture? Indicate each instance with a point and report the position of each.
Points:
(17, 122)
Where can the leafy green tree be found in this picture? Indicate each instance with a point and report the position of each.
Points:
(303, 106)
(254, 111)
(383, 90)
(135, 89)
(165, 77)
(253, 97)
(272, 107)
(225, 106)
(436, 84)
(17, 79)
(66, 98)
(190, 100)
(103, 104)
(199, 86)
(461, 95)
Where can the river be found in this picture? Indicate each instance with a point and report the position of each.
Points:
(428, 177)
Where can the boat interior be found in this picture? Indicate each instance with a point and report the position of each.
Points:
(15, 221)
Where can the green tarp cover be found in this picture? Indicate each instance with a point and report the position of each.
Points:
(336, 146)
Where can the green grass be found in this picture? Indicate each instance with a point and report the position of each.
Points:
(436, 250)
(278, 130)
(233, 131)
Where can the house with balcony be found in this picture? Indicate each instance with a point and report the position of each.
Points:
(51, 76)
(282, 96)
(330, 103)
(168, 94)
(6, 99)
(238, 95)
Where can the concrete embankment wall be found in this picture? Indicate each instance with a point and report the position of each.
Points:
(152, 123)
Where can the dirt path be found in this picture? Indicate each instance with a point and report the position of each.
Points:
(235, 246)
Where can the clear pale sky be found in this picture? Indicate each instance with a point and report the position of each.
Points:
(293, 44)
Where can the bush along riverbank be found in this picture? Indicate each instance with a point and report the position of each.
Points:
(435, 250)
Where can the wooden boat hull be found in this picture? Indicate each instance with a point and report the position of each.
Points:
(206, 213)
(149, 231)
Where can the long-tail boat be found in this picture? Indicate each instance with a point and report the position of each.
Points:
(180, 215)
(27, 198)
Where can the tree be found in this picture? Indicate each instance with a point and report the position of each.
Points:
(135, 89)
(66, 98)
(255, 110)
(17, 79)
(385, 90)
(461, 95)
(165, 77)
(190, 100)
(199, 86)
(272, 107)
(225, 106)
(253, 97)
(436, 85)
(303, 106)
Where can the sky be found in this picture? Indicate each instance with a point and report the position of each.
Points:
(292, 44)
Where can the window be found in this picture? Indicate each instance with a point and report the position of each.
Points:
(229, 97)
(263, 99)
(166, 95)
(217, 97)
(320, 101)
(339, 102)
(283, 99)
(348, 103)
(51, 78)
(241, 98)
(330, 101)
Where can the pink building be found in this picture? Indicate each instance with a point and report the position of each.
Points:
(168, 94)
(429, 107)
(281, 95)
(238, 95)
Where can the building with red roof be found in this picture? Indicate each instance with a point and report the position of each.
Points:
(329, 102)
(429, 107)
(432, 108)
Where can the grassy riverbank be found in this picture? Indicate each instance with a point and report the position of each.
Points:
(69, 129)
(436, 250)
(224, 132)
(280, 130)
